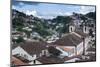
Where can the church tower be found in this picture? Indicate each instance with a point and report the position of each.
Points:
(85, 29)
(71, 27)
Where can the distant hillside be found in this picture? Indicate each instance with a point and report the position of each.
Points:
(42, 29)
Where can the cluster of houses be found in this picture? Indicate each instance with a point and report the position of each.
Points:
(73, 47)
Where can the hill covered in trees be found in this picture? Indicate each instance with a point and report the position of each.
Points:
(31, 27)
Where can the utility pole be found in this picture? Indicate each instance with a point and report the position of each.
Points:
(75, 50)
(83, 46)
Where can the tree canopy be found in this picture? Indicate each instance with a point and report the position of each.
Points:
(53, 51)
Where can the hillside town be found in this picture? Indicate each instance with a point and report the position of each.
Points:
(63, 39)
(75, 45)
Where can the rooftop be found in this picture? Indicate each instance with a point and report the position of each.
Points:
(50, 60)
(81, 33)
(17, 61)
(68, 40)
(34, 47)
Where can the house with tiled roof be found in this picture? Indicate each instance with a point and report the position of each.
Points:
(70, 45)
(73, 43)
(29, 51)
(16, 61)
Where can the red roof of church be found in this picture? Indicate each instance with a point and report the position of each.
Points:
(69, 40)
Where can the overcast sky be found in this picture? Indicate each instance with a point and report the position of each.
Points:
(49, 10)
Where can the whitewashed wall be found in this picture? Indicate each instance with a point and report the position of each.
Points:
(66, 53)
(20, 51)
(80, 48)
(87, 40)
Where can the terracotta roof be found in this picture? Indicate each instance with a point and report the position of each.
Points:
(34, 47)
(68, 40)
(81, 33)
(50, 60)
(21, 58)
(17, 61)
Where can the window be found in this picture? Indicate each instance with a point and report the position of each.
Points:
(85, 28)
(34, 56)
(34, 61)
(25, 56)
(71, 29)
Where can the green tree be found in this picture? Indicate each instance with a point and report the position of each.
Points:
(53, 51)
(19, 40)
(91, 15)
(91, 33)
